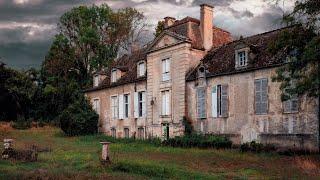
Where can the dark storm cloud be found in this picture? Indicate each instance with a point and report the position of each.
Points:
(27, 27)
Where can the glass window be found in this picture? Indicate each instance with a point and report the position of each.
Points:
(96, 105)
(114, 75)
(113, 132)
(242, 59)
(141, 103)
(126, 105)
(261, 96)
(141, 69)
(114, 107)
(166, 69)
(165, 102)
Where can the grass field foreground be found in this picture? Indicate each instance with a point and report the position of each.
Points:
(79, 157)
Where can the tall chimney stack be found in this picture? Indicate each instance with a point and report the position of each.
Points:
(206, 24)
(168, 21)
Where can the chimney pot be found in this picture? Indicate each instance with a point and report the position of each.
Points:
(168, 21)
(206, 25)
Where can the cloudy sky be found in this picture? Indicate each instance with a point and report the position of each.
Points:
(28, 26)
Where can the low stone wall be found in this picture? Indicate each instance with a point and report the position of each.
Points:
(306, 142)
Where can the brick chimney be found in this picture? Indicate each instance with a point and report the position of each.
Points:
(168, 21)
(206, 24)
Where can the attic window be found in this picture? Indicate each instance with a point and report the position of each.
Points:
(96, 80)
(201, 72)
(114, 75)
(241, 58)
(141, 69)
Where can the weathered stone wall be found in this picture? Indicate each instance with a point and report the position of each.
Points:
(106, 122)
(182, 58)
(242, 119)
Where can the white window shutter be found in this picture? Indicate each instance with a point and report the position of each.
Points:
(214, 100)
(136, 105)
(163, 103)
(144, 104)
(98, 107)
(129, 106)
(121, 107)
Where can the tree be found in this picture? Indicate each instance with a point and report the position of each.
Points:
(159, 28)
(300, 46)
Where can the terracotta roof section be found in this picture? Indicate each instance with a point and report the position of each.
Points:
(128, 65)
(221, 60)
(190, 28)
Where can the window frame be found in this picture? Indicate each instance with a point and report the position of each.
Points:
(126, 105)
(114, 75)
(141, 103)
(199, 114)
(96, 80)
(261, 96)
(166, 102)
(165, 69)
(113, 132)
(95, 107)
(242, 58)
(141, 73)
(115, 107)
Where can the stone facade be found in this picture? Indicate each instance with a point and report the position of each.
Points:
(179, 63)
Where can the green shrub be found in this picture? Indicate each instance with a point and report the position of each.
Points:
(256, 147)
(79, 119)
(197, 140)
(21, 123)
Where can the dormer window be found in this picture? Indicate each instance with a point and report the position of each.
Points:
(141, 69)
(96, 80)
(241, 58)
(113, 75)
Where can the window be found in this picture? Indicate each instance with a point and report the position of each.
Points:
(261, 96)
(114, 75)
(113, 132)
(96, 80)
(241, 59)
(263, 126)
(141, 103)
(291, 105)
(141, 69)
(141, 133)
(165, 108)
(166, 69)
(96, 105)
(126, 132)
(126, 105)
(114, 107)
(201, 103)
(220, 100)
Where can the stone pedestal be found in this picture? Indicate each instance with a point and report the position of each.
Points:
(105, 152)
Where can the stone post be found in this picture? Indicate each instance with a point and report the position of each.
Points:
(105, 152)
(7, 148)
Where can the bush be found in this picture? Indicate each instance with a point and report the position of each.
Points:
(21, 123)
(79, 119)
(256, 147)
(201, 141)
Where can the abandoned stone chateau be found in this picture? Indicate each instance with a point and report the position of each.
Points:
(195, 71)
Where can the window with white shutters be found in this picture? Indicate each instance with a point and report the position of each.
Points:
(166, 70)
(201, 103)
(261, 96)
(114, 107)
(291, 105)
(141, 104)
(165, 105)
(220, 101)
(126, 99)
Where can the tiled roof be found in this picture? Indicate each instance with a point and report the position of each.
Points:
(190, 27)
(221, 60)
(128, 65)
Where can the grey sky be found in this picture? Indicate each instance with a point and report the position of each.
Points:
(28, 26)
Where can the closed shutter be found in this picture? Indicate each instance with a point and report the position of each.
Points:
(224, 101)
(168, 103)
(261, 96)
(136, 105)
(214, 102)
(129, 106)
(201, 105)
(121, 107)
